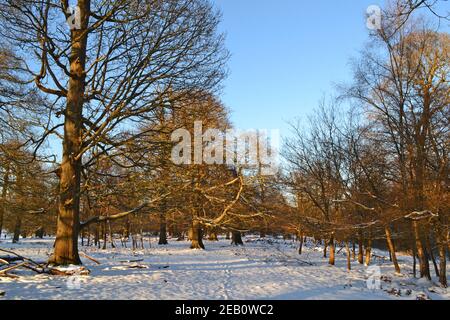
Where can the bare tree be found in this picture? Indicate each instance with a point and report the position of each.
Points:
(107, 71)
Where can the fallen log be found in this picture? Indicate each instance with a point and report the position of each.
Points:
(79, 271)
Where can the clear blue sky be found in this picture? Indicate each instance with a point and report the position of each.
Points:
(287, 54)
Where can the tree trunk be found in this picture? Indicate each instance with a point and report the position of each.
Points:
(17, 228)
(360, 250)
(236, 238)
(40, 233)
(424, 264)
(332, 252)
(197, 235)
(227, 236)
(213, 235)
(97, 236)
(349, 261)
(300, 248)
(162, 230)
(391, 247)
(442, 261)
(353, 250)
(111, 236)
(4, 195)
(433, 259)
(368, 251)
(66, 243)
(325, 247)
(414, 258)
(104, 234)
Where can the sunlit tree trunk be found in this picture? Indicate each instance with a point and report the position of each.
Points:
(332, 252)
(197, 235)
(391, 247)
(66, 243)
(368, 251)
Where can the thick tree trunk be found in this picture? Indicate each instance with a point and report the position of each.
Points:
(197, 235)
(162, 230)
(66, 243)
(391, 247)
(325, 247)
(236, 238)
(424, 264)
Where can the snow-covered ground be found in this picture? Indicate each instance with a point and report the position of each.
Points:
(262, 269)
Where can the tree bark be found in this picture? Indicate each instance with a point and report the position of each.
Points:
(442, 261)
(353, 250)
(17, 227)
(349, 261)
(162, 230)
(368, 251)
(391, 247)
(236, 238)
(111, 235)
(66, 243)
(424, 264)
(104, 234)
(360, 250)
(197, 235)
(433, 259)
(332, 260)
(300, 248)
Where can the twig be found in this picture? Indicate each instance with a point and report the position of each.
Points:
(90, 258)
